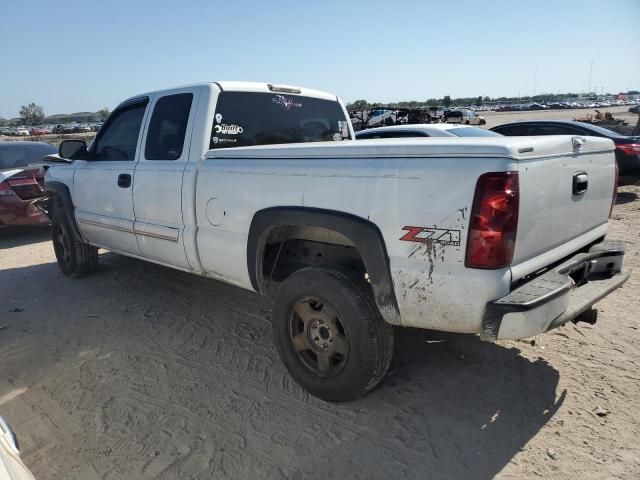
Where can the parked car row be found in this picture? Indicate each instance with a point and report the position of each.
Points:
(557, 105)
(50, 129)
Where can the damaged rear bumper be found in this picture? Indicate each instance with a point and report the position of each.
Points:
(557, 296)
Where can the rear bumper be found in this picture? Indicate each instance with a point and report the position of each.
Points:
(557, 296)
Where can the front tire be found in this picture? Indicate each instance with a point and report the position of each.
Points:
(75, 258)
(329, 333)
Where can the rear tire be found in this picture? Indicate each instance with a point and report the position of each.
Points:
(329, 333)
(75, 258)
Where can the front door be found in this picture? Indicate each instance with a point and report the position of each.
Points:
(157, 192)
(103, 184)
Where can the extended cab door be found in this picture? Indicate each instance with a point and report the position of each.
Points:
(102, 184)
(157, 191)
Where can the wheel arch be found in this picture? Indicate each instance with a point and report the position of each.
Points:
(59, 192)
(363, 234)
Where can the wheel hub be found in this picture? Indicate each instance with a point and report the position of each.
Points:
(320, 335)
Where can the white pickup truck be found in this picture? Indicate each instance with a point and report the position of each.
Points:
(263, 187)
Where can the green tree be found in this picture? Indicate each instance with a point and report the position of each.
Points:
(3, 121)
(358, 104)
(479, 101)
(32, 114)
(104, 113)
(447, 101)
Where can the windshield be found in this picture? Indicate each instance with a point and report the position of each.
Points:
(472, 132)
(245, 118)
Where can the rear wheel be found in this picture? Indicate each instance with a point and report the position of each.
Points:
(330, 334)
(75, 258)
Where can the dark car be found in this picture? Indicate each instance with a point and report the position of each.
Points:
(21, 183)
(627, 148)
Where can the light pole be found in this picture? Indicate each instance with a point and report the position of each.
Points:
(590, 72)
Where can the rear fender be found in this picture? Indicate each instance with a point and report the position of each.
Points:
(365, 236)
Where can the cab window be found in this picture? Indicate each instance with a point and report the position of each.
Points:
(249, 118)
(168, 126)
(118, 138)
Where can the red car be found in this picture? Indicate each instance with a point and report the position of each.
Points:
(21, 185)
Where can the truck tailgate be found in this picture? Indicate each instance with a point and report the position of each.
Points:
(566, 188)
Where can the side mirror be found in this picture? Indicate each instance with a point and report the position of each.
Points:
(73, 149)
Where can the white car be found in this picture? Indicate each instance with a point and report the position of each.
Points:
(22, 132)
(464, 116)
(262, 186)
(425, 130)
(11, 466)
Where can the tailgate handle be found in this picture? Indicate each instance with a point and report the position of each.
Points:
(580, 183)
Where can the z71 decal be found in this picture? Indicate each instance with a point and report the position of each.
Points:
(443, 236)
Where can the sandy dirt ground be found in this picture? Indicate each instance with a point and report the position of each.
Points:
(141, 372)
(498, 118)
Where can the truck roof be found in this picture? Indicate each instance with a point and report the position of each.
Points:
(237, 86)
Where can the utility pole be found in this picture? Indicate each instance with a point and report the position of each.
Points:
(535, 81)
(590, 72)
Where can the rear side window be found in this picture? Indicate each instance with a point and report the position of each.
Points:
(246, 118)
(398, 134)
(550, 130)
(473, 132)
(404, 134)
(513, 130)
(168, 126)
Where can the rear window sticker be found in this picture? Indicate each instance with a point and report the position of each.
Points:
(230, 129)
(217, 140)
(287, 103)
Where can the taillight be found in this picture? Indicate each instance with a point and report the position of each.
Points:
(6, 190)
(494, 221)
(630, 148)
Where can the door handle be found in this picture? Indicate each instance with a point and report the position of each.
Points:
(124, 180)
(580, 183)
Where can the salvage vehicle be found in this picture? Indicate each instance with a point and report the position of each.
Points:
(464, 116)
(21, 183)
(422, 130)
(11, 465)
(262, 186)
(627, 148)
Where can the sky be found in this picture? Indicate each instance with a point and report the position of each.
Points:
(71, 56)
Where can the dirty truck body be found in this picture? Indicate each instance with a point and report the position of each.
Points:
(498, 236)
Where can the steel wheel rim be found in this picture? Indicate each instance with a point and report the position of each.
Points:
(318, 336)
